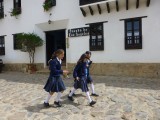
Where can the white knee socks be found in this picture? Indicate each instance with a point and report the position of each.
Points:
(48, 98)
(92, 88)
(59, 94)
(72, 91)
(88, 96)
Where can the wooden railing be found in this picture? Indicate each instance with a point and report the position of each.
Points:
(85, 2)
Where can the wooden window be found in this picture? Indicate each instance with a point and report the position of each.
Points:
(16, 46)
(1, 9)
(133, 33)
(17, 4)
(2, 45)
(51, 2)
(96, 37)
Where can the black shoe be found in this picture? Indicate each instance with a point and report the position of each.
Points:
(46, 104)
(58, 104)
(94, 94)
(92, 103)
(70, 98)
(73, 93)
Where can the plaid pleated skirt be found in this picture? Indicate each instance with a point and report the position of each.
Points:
(82, 84)
(54, 84)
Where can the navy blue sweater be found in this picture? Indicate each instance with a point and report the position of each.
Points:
(55, 68)
(80, 70)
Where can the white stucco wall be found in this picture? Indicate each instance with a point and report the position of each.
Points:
(66, 14)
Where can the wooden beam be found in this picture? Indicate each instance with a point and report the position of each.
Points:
(117, 6)
(99, 9)
(137, 4)
(108, 8)
(96, 22)
(133, 18)
(126, 4)
(148, 3)
(83, 12)
(90, 9)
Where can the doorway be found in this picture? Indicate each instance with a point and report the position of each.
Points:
(55, 40)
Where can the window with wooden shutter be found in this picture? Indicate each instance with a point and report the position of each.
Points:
(17, 6)
(133, 33)
(2, 45)
(1, 9)
(96, 37)
(16, 45)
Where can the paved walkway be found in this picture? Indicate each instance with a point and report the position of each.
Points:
(121, 98)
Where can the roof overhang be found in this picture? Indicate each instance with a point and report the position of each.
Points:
(111, 5)
(53, 25)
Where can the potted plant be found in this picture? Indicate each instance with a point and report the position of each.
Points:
(15, 12)
(47, 4)
(29, 42)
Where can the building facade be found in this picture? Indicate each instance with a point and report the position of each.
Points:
(123, 35)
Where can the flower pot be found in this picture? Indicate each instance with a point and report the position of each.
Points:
(31, 68)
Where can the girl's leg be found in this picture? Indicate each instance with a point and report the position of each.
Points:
(72, 91)
(88, 96)
(70, 94)
(92, 88)
(48, 97)
(91, 102)
(93, 91)
(46, 102)
(59, 94)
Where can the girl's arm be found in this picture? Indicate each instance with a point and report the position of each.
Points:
(54, 69)
(75, 71)
(84, 68)
(89, 62)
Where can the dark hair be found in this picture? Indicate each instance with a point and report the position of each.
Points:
(81, 59)
(56, 53)
(88, 52)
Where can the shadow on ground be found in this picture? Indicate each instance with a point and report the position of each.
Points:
(38, 107)
(115, 81)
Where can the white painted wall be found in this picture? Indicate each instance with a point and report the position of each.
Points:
(67, 14)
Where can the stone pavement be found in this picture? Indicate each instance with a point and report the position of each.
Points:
(121, 98)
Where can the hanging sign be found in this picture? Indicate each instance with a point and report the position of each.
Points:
(76, 32)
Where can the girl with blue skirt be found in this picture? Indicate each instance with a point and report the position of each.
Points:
(55, 82)
(89, 78)
(80, 75)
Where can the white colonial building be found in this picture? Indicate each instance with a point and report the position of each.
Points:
(123, 35)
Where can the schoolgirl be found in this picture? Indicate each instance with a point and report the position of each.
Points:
(89, 78)
(80, 75)
(55, 82)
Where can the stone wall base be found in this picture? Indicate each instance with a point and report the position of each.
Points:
(151, 70)
(20, 67)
